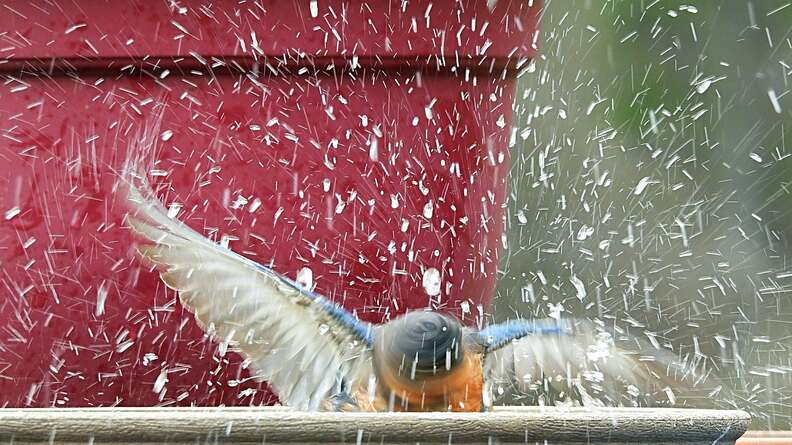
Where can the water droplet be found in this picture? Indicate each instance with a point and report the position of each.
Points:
(585, 232)
(374, 149)
(11, 213)
(703, 86)
(431, 281)
(255, 205)
(162, 379)
(101, 298)
(580, 288)
(305, 277)
(641, 186)
(428, 209)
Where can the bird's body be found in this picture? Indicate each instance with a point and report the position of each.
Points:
(312, 352)
(425, 361)
(461, 392)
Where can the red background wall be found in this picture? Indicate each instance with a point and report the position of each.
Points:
(287, 128)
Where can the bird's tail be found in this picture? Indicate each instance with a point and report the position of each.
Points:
(589, 368)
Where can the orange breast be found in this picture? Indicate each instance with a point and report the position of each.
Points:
(461, 391)
(466, 388)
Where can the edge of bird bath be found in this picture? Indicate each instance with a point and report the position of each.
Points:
(281, 425)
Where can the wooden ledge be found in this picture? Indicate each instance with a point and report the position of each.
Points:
(279, 425)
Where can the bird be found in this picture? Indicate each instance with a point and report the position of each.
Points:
(317, 356)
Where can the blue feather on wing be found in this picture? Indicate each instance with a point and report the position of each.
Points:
(498, 335)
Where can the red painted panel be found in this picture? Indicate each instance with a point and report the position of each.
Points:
(368, 178)
(382, 28)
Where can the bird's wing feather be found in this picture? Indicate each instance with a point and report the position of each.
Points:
(586, 366)
(496, 336)
(301, 343)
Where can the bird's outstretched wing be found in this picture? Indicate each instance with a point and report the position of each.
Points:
(305, 346)
(588, 367)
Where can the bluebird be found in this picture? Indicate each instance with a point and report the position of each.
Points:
(316, 355)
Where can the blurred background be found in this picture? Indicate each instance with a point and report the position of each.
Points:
(651, 181)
